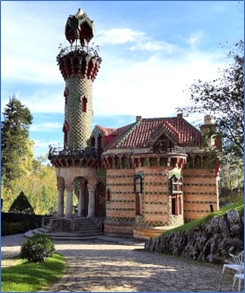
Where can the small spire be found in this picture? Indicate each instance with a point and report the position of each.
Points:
(79, 12)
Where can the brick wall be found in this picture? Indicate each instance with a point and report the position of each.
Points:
(200, 187)
(121, 206)
(155, 197)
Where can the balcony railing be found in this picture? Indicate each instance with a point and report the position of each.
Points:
(72, 152)
(92, 50)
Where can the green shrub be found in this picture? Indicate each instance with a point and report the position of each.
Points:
(21, 205)
(10, 228)
(37, 248)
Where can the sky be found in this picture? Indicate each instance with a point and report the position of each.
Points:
(151, 51)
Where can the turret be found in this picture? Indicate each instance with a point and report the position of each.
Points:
(79, 65)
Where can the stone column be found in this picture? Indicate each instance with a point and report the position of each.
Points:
(80, 199)
(61, 188)
(91, 201)
(69, 200)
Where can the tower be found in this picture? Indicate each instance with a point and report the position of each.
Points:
(79, 65)
(76, 162)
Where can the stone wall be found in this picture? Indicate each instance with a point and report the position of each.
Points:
(207, 242)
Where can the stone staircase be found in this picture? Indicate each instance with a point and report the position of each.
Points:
(86, 229)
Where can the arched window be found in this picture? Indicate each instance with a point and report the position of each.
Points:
(84, 104)
(108, 194)
(176, 194)
(66, 94)
(138, 183)
(65, 130)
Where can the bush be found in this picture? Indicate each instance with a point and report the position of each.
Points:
(21, 205)
(37, 248)
(10, 228)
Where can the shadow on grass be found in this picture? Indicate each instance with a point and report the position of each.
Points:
(31, 277)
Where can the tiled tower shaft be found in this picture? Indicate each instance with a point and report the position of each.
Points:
(78, 112)
(79, 65)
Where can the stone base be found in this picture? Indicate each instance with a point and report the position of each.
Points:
(118, 229)
(135, 231)
(145, 233)
(61, 224)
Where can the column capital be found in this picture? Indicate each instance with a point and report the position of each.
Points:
(91, 187)
(60, 186)
(69, 186)
(80, 185)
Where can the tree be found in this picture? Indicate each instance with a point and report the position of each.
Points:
(21, 205)
(15, 141)
(223, 98)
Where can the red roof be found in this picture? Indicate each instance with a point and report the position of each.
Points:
(142, 133)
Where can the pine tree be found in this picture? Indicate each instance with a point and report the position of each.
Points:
(15, 139)
(21, 205)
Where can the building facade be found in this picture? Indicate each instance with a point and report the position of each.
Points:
(141, 179)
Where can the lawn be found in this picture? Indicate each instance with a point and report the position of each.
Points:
(32, 277)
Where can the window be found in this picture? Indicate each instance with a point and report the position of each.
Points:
(176, 194)
(138, 183)
(85, 100)
(65, 130)
(175, 185)
(108, 194)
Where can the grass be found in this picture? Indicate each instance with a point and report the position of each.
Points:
(32, 277)
(238, 206)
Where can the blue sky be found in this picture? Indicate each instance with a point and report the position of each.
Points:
(151, 51)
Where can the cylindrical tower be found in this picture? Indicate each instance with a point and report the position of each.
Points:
(79, 65)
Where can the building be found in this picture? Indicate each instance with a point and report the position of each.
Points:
(141, 179)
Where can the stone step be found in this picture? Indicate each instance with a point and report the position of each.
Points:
(64, 235)
(74, 233)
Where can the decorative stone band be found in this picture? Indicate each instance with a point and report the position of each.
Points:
(63, 161)
(79, 63)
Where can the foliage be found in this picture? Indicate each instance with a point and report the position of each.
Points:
(232, 176)
(39, 186)
(10, 228)
(223, 99)
(37, 248)
(15, 143)
(32, 277)
(21, 205)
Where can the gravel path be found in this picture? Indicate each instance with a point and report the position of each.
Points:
(100, 266)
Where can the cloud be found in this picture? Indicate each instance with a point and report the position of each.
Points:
(46, 127)
(29, 44)
(117, 36)
(127, 82)
(153, 87)
(136, 40)
(194, 39)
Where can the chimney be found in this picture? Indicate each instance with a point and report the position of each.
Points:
(208, 119)
(179, 115)
(138, 118)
